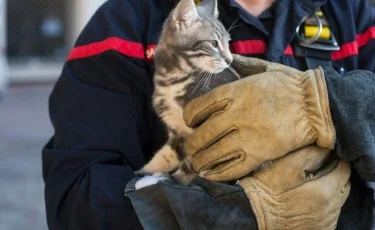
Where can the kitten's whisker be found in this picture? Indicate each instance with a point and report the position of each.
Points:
(204, 84)
(202, 88)
(235, 27)
(198, 67)
(230, 27)
(199, 82)
(207, 82)
(196, 86)
(234, 72)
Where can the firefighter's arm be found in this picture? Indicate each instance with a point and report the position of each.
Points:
(352, 100)
(278, 114)
(364, 14)
(278, 109)
(102, 122)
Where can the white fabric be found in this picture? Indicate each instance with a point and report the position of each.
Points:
(148, 181)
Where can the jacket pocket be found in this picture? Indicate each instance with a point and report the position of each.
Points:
(109, 207)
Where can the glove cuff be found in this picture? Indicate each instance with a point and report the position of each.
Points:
(318, 108)
(251, 192)
(278, 211)
(265, 208)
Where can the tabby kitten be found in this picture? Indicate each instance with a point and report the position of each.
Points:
(190, 60)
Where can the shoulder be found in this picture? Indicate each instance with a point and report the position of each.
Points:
(127, 19)
(138, 5)
(355, 7)
(140, 12)
(360, 13)
(126, 9)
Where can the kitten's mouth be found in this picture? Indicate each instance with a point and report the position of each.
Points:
(219, 67)
(216, 69)
(219, 70)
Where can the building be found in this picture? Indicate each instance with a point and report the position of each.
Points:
(36, 36)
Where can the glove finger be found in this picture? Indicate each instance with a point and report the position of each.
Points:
(320, 199)
(248, 66)
(339, 177)
(335, 183)
(226, 149)
(345, 187)
(201, 108)
(227, 172)
(329, 191)
(208, 133)
(293, 169)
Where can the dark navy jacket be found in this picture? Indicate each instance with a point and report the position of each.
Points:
(105, 127)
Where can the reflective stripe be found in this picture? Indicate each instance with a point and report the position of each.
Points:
(352, 48)
(289, 50)
(128, 48)
(150, 52)
(346, 50)
(248, 47)
(254, 47)
(364, 38)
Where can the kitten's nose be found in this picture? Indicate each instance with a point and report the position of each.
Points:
(228, 60)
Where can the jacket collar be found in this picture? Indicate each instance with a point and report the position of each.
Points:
(288, 15)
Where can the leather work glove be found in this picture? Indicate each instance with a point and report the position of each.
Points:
(293, 194)
(241, 125)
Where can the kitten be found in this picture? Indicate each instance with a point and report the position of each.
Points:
(192, 58)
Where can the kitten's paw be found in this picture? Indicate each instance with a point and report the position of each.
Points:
(142, 173)
(203, 173)
(161, 174)
(183, 177)
(148, 181)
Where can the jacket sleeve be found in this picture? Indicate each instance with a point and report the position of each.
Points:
(352, 97)
(352, 100)
(365, 29)
(104, 126)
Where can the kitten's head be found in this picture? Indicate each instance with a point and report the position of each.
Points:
(196, 35)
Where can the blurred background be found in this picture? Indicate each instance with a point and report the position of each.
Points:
(35, 38)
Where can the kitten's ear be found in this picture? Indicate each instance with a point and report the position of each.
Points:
(211, 7)
(185, 13)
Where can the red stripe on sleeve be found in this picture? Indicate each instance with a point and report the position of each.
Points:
(128, 48)
(248, 47)
(289, 50)
(352, 48)
(150, 52)
(364, 38)
(346, 50)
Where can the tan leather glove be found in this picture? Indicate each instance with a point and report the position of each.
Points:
(292, 194)
(243, 124)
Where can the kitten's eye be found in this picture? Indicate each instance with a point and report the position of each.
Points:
(214, 43)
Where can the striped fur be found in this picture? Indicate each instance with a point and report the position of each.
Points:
(193, 49)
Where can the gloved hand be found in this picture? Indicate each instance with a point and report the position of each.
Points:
(243, 124)
(292, 194)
